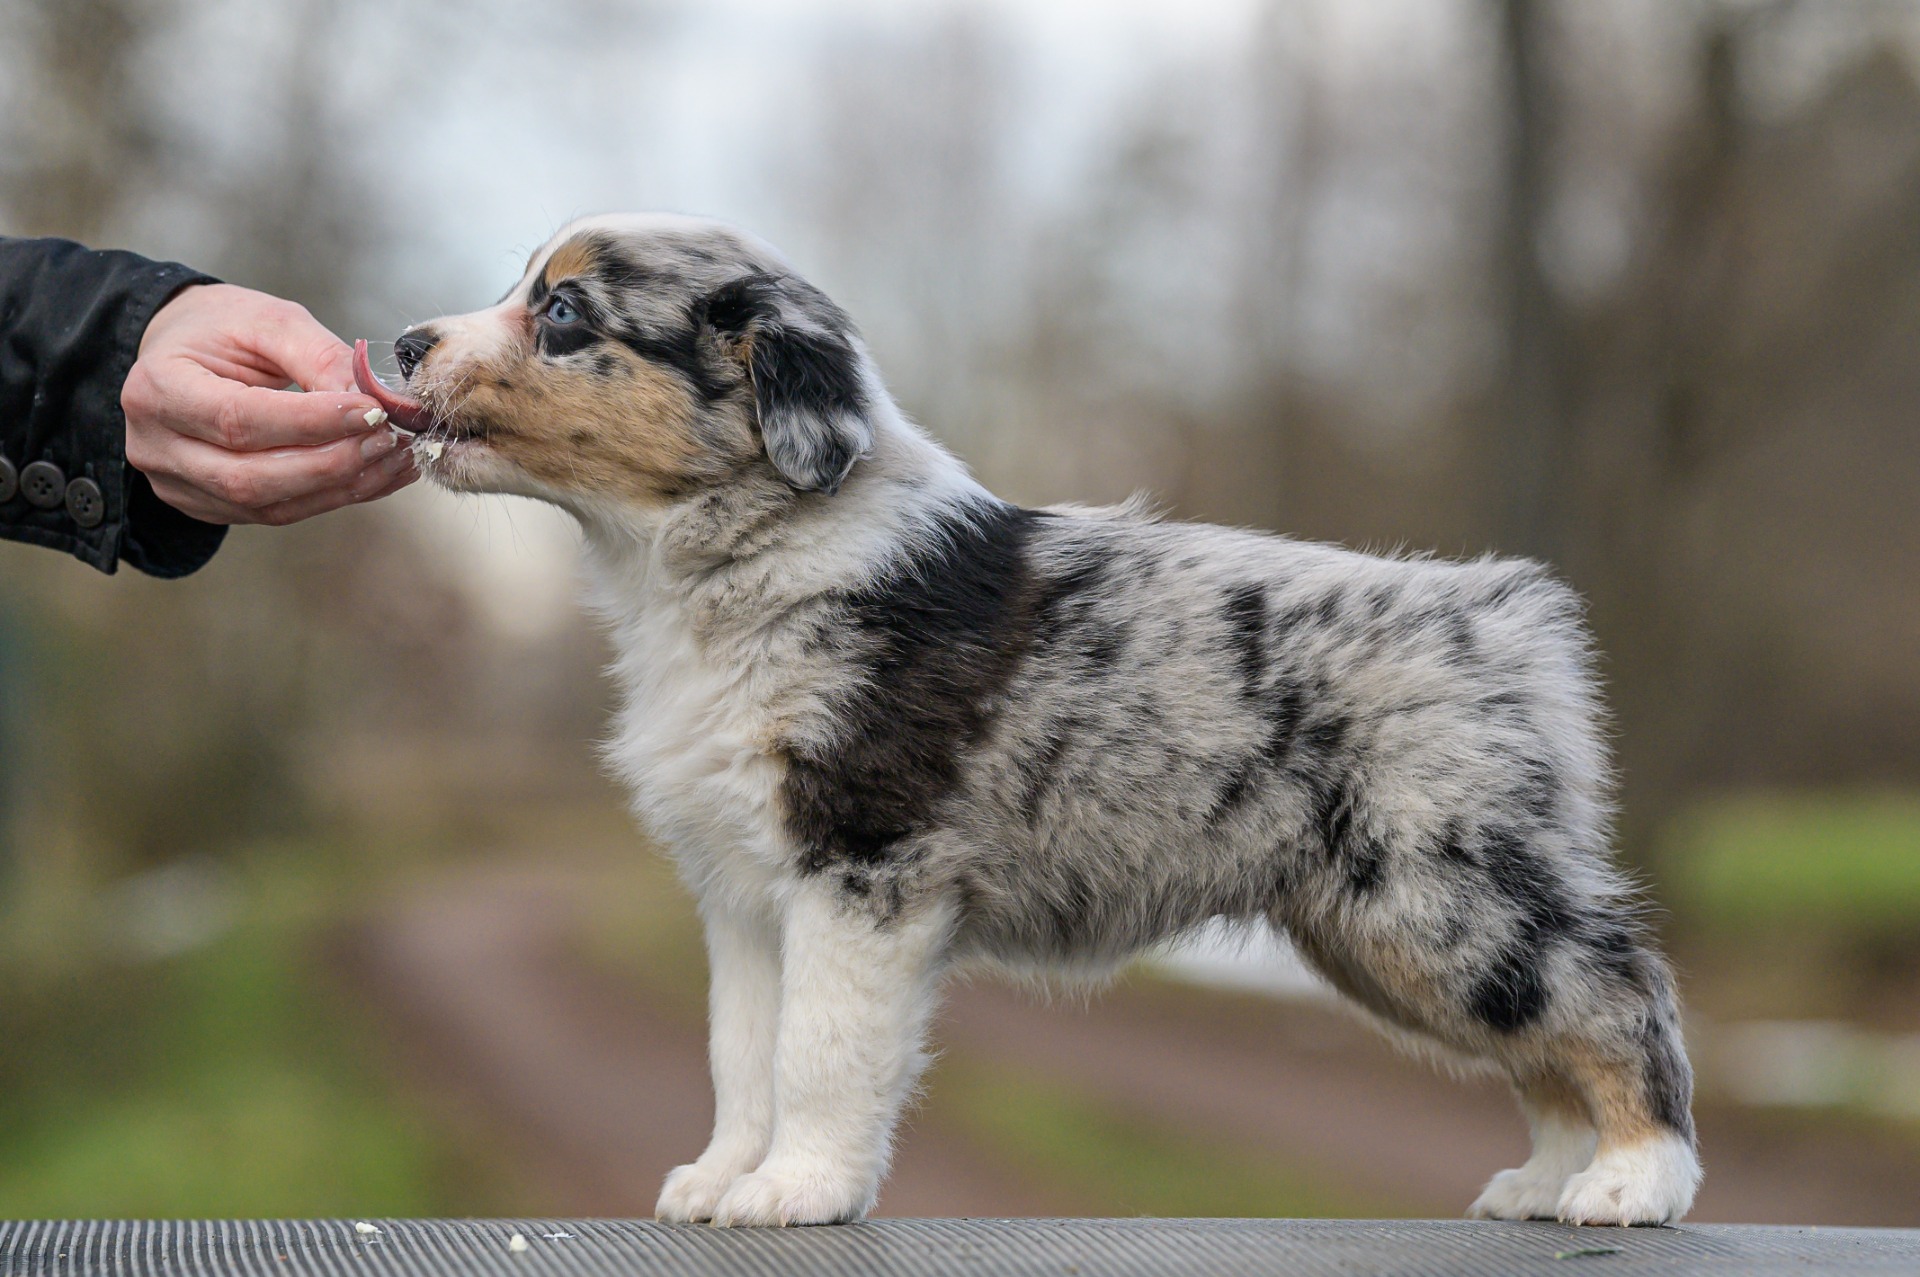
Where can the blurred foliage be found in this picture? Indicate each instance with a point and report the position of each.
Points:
(227, 1080)
(642, 923)
(1128, 1165)
(157, 722)
(1843, 865)
(1799, 905)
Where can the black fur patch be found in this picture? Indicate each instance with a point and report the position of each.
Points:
(735, 305)
(1668, 1081)
(1322, 738)
(1100, 648)
(1307, 751)
(1313, 755)
(556, 341)
(1463, 648)
(809, 402)
(1235, 788)
(805, 372)
(1334, 804)
(1613, 941)
(680, 350)
(1062, 598)
(1366, 865)
(1514, 994)
(1333, 817)
(944, 631)
(1539, 790)
(1039, 768)
(614, 270)
(1527, 881)
(1246, 614)
(1286, 706)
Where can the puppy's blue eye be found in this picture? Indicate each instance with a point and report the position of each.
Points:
(562, 311)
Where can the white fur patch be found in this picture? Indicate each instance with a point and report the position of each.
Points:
(1651, 1182)
(1560, 1149)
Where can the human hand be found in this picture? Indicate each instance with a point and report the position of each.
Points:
(210, 426)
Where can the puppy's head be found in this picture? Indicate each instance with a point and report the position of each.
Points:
(638, 361)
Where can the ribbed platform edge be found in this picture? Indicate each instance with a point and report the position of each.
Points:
(974, 1247)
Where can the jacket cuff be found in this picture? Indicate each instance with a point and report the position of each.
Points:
(152, 536)
(71, 322)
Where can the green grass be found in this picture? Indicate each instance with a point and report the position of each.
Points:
(1833, 863)
(227, 1082)
(1133, 1166)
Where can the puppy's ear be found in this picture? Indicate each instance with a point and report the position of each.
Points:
(808, 397)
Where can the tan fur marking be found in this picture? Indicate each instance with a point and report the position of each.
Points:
(575, 257)
(630, 434)
(1384, 978)
(1614, 1095)
(1552, 1093)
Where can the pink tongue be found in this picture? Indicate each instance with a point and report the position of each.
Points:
(408, 414)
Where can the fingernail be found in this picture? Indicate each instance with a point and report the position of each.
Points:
(376, 477)
(360, 417)
(397, 464)
(377, 444)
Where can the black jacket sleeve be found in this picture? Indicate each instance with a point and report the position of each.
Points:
(71, 319)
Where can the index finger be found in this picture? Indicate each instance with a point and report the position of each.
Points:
(243, 418)
(307, 352)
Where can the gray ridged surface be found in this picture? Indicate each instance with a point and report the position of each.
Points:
(1062, 1247)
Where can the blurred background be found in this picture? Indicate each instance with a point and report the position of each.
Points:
(312, 899)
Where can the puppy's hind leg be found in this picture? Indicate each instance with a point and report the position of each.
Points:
(1563, 1144)
(856, 994)
(743, 999)
(1605, 1067)
(1499, 955)
(1639, 1088)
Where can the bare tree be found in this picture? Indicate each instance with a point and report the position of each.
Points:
(1531, 448)
(81, 138)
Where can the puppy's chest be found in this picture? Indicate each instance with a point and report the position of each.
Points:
(698, 736)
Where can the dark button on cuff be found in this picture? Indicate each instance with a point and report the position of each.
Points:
(44, 484)
(9, 480)
(85, 503)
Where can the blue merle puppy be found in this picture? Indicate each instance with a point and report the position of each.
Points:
(889, 724)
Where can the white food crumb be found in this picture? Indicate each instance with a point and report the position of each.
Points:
(516, 1243)
(375, 418)
(365, 1229)
(432, 447)
(558, 1237)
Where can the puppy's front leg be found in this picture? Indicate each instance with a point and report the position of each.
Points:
(855, 997)
(743, 998)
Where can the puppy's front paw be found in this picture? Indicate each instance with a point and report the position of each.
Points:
(692, 1191)
(779, 1195)
(1648, 1183)
(1526, 1192)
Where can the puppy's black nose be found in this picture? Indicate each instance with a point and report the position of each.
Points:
(412, 347)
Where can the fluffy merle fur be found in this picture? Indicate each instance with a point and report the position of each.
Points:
(888, 724)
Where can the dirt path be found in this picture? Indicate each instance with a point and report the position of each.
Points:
(599, 1092)
(596, 1093)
